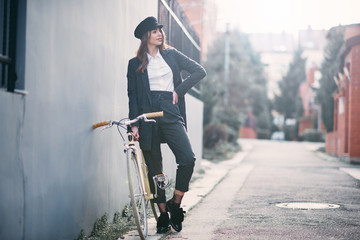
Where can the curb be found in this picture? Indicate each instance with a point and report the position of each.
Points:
(352, 171)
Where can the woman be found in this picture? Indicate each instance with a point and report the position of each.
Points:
(155, 84)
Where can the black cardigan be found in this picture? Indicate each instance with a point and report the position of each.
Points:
(139, 88)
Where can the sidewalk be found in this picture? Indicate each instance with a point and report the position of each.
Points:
(352, 170)
(205, 181)
(213, 173)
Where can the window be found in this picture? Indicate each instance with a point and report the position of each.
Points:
(12, 44)
(180, 34)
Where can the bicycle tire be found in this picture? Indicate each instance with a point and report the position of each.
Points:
(137, 197)
(147, 188)
(153, 208)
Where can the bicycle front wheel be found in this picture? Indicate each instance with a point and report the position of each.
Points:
(137, 196)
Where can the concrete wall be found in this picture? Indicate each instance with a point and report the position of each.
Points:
(57, 175)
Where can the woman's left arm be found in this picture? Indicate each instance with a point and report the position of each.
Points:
(197, 72)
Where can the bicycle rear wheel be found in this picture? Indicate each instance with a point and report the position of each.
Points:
(154, 211)
(147, 188)
(137, 197)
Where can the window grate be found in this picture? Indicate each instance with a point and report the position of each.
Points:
(179, 33)
(8, 30)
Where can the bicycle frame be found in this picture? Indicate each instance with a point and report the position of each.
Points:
(142, 168)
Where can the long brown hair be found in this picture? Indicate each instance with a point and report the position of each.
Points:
(143, 49)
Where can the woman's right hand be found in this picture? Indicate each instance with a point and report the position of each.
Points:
(135, 131)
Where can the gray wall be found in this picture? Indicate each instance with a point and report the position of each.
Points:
(56, 174)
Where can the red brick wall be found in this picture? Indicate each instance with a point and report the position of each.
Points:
(305, 123)
(345, 140)
(338, 140)
(354, 103)
(310, 75)
(330, 140)
(247, 132)
(340, 144)
(305, 93)
(346, 126)
(193, 10)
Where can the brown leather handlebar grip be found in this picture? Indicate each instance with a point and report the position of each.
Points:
(154, 114)
(100, 124)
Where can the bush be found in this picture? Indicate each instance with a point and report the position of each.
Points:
(222, 151)
(290, 132)
(312, 135)
(263, 133)
(230, 118)
(111, 230)
(215, 133)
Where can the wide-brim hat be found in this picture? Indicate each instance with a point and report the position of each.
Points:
(148, 24)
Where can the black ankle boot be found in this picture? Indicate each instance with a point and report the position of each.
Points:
(163, 223)
(176, 215)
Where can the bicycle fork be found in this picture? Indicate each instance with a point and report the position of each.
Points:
(160, 180)
(143, 175)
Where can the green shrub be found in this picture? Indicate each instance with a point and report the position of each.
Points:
(263, 133)
(312, 135)
(290, 132)
(111, 230)
(214, 133)
(222, 151)
(230, 118)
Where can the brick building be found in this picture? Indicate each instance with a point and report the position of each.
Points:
(313, 43)
(201, 15)
(344, 141)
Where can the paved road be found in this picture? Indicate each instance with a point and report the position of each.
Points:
(243, 205)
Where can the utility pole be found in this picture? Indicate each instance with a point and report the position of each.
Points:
(226, 66)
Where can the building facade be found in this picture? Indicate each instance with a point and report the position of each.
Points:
(63, 67)
(313, 44)
(344, 141)
(201, 15)
(276, 52)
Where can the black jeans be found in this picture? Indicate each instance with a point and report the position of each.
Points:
(171, 129)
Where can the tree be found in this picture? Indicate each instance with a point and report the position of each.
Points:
(288, 102)
(247, 86)
(330, 66)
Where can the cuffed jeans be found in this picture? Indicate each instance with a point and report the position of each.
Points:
(171, 128)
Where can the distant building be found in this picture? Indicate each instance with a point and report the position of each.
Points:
(313, 43)
(201, 15)
(276, 52)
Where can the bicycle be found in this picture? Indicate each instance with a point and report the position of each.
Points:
(138, 181)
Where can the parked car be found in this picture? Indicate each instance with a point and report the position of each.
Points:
(279, 136)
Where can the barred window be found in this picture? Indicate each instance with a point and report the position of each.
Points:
(179, 34)
(12, 39)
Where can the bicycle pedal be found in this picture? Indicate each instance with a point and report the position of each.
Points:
(162, 181)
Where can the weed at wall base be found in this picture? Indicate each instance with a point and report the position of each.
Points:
(105, 230)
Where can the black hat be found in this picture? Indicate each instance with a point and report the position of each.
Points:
(148, 24)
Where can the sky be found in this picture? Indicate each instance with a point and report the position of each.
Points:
(264, 16)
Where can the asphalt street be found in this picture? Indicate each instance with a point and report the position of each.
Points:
(245, 203)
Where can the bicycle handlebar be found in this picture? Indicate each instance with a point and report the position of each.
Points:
(154, 114)
(142, 116)
(100, 124)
